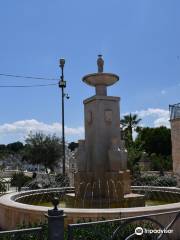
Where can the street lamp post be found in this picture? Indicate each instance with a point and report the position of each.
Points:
(62, 85)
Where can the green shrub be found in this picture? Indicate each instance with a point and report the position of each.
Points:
(153, 180)
(2, 187)
(103, 231)
(19, 180)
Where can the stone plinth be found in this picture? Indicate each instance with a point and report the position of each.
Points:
(102, 150)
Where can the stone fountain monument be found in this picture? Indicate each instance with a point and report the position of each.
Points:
(102, 179)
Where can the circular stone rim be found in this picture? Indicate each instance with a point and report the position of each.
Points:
(90, 80)
(10, 199)
(25, 211)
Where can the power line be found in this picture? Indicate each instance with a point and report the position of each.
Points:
(28, 86)
(28, 77)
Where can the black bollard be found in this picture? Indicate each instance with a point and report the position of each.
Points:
(55, 222)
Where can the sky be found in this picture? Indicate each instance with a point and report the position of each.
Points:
(139, 41)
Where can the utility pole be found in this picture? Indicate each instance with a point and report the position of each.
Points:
(62, 85)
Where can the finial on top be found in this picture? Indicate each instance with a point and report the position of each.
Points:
(55, 202)
(100, 63)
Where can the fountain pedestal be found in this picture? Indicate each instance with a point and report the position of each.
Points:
(102, 175)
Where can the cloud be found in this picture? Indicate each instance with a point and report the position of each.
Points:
(160, 116)
(154, 116)
(162, 122)
(20, 129)
(153, 111)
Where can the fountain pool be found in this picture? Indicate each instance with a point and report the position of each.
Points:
(15, 210)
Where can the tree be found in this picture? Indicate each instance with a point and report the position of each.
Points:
(2, 147)
(3, 150)
(157, 143)
(128, 124)
(19, 180)
(155, 140)
(12, 152)
(2, 186)
(161, 163)
(73, 145)
(15, 147)
(43, 149)
(134, 155)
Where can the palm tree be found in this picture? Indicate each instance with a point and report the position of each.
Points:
(128, 124)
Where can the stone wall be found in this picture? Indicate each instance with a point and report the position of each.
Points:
(175, 137)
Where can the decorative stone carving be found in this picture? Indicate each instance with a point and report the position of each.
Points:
(100, 63)
(89, 117)
(108, 115)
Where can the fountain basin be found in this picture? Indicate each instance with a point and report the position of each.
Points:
(13, 213)
(106, 79)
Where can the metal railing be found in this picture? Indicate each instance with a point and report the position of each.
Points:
(124, 229)
(174, 111)
(23, 234)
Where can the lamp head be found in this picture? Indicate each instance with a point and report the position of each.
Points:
(61, 62)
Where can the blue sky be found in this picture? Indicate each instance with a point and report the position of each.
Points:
(140, 41)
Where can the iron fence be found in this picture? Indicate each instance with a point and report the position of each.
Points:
(141, 227)
(37, 233)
